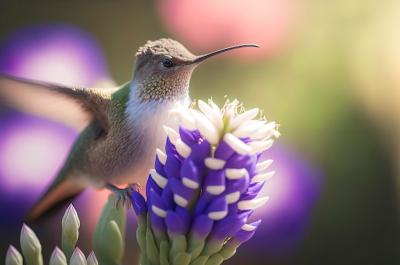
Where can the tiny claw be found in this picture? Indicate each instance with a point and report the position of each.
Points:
(123, 195)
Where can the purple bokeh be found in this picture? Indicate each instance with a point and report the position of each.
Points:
(56, 53)
(294, 192)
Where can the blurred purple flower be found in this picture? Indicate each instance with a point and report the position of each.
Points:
(53, 53)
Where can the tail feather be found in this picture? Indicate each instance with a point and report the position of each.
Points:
(57, 195)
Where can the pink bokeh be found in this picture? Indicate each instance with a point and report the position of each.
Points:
(209, 24)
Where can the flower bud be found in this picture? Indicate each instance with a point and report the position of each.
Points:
(92, 260)
(70, 230)
(78, 258)
(58, 257)
(13, 257)
(31, 247)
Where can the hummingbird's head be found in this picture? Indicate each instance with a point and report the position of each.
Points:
(164, 67)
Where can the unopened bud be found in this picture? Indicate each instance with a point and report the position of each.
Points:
(13, 257)
(78, 258)
(70, 230)
(31, 247)
(92, 260)
(58, 257)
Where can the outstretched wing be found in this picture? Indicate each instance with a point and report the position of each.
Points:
(74, 107)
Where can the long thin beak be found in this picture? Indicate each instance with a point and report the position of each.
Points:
(211, 54)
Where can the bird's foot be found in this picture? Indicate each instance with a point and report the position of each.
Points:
(123, 195)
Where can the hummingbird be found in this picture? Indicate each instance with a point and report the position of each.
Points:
(118, 144)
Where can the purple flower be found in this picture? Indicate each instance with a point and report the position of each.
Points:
(204, 187)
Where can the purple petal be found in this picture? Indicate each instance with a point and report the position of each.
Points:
(138, 203)
(157, 223)
(256, 187)
(229, 226)
(157, 200)
(240, 185)
(200, 151)
(151, 186)
(168, 197)
(214, 182)
(218, 208)
(203, 202)
(242, 161)
(243, 235)
(159, 167)
(223, 151)
(172, 166)
(189, 170)
(169, 148)
(176, 224)
(202, 226)
(187, 136)
(179, 189)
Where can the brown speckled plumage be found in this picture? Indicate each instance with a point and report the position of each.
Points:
(157, 83)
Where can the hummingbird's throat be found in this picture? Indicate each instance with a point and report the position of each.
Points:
(165, 86)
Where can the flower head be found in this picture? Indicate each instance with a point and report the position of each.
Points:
(204, 187)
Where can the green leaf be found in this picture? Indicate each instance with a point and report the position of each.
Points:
(182, 259)
(164, 250)
(179, 245)
(200, 260)
(216, 259)
(109, 237)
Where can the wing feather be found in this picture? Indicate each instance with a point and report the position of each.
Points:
(75, 107)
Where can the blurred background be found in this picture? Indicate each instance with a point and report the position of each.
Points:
(328, 72)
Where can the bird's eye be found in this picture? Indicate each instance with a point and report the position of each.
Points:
(167, 63)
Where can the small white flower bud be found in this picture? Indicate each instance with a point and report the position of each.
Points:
(78, 258)
(58, 257)
(92, 260)
(13, 257)
(70, 220)
(31, 247)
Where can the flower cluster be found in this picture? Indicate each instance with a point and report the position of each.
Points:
(204, 186)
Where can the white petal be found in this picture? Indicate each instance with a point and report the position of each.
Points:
(161, 156)
(248, 228)
(180, 200)
(252, 204)
(236, 144)
(262, 177)
(276, 133)
(206, 128)
(263, 165)
(211, 114)
(243, 117)
(217, 215)
(160, 180)
(190, 183)
(215, 190)
(235, 173)
(182, 148)
(232, 197)
(260, 146)
(158, 211)
(215, 107)
(265, 131)
(185, 118)
(172, 134)
(214, 163)
(249, 128)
